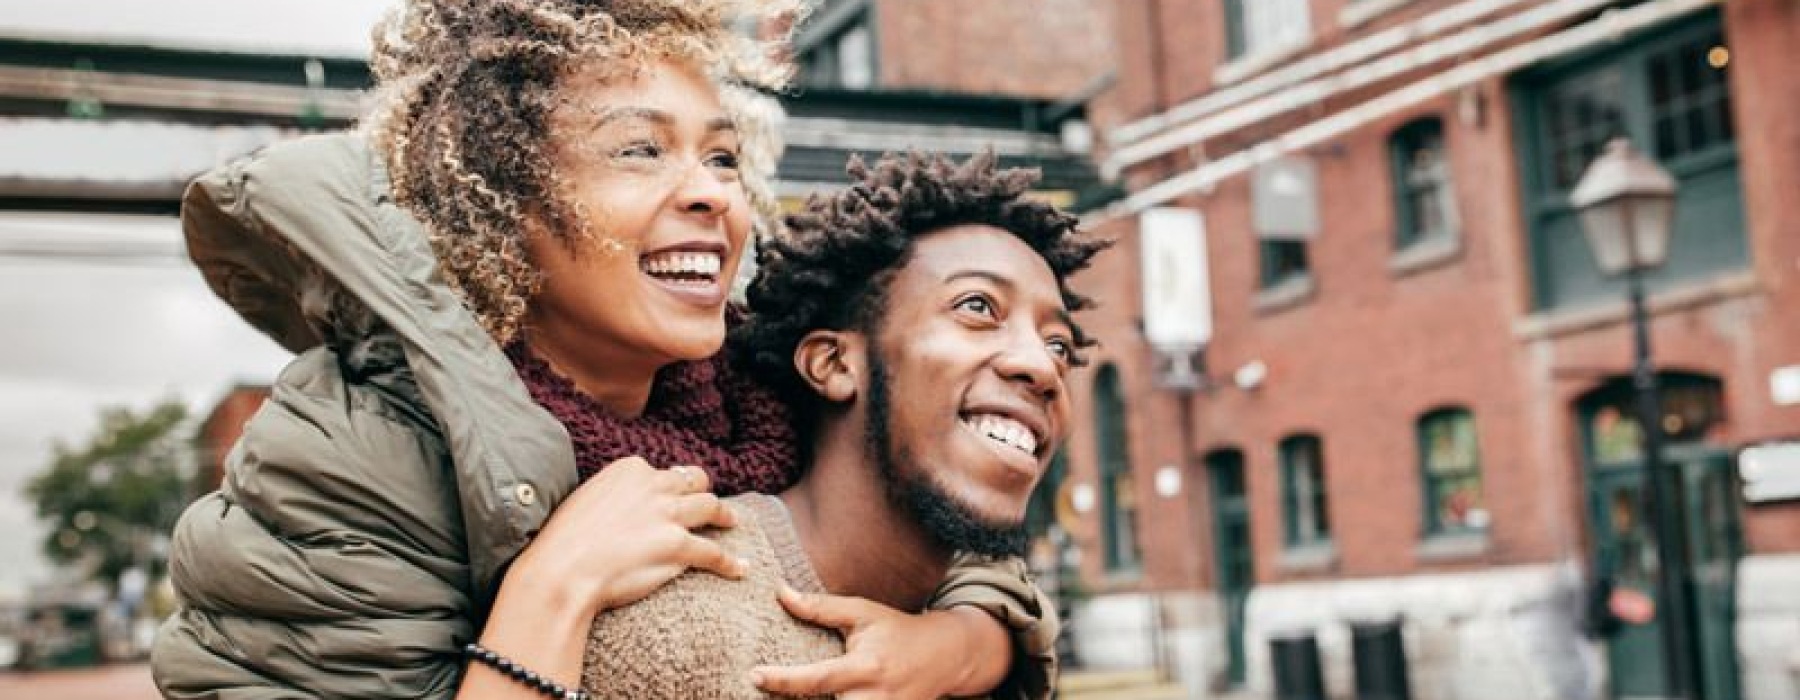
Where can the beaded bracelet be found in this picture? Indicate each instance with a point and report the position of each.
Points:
(513, 670)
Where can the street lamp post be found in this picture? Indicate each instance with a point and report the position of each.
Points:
(1626, 204)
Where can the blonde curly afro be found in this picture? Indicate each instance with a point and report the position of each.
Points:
(466, 91)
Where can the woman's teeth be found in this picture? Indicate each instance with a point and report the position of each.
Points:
(683, 266)
(1005, 431)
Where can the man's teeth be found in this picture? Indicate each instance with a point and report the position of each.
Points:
(1004, 430)
(692, 264)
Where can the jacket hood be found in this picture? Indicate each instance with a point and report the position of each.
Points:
(304, 241)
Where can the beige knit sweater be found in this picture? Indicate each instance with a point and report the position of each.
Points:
(698, 636)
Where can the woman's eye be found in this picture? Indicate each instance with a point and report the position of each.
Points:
(641, 149)
(979, 305)
(723, 159)
(1061, 348)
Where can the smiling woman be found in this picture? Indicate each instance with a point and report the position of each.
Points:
(508, 413)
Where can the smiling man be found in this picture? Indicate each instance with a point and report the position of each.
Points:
(920, 322)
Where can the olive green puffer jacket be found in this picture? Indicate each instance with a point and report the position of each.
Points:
(372, 504)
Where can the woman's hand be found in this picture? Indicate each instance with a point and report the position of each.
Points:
(892, 654)
(619, 536)
(626, 532)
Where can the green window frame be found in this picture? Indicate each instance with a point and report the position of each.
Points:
(1265, 26)
(1450, 472)
(1118, 495)
(1236, 41)
(1668, 90)
(1282, 260)
(822, 46)
(1424, 194)
(1305, 501)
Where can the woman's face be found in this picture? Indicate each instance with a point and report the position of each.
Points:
(651, 162)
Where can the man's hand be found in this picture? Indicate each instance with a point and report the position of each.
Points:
(892, 654)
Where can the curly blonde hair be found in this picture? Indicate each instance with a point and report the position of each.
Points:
(466, 91)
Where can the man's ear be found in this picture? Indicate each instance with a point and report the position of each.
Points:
(827, 362)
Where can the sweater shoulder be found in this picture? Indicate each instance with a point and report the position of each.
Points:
(699, 635)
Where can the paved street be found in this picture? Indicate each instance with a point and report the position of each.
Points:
(121, 682)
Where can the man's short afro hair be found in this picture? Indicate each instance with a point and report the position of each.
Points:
(832, 266)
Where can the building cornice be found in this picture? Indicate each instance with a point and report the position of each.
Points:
(1607, 27)
(1296, 96)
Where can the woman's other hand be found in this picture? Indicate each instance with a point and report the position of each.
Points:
(892, 654)
(627, 531)
(620, 535)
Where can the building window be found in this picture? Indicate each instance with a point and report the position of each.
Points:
(1690, 105)
(1668, 92)
(1283, 260)
(1450, 464)
(1264, 26)
(1303, 496)
(1424, 200)
(1581, 114)
(838, 48)
(1117, 494)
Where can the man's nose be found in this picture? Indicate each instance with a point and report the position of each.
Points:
(1027, 360)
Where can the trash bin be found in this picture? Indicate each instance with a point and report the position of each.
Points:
(1295, 657)
(1379, 656)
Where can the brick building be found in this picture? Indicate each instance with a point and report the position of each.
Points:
(220, 430)
(1417, 403)
(1044, 49)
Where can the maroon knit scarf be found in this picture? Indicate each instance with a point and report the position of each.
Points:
(703, 414)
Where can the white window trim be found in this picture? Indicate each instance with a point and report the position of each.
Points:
(1266, 23)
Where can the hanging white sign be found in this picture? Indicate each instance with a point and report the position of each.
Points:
(1177, 281)
(1770, 472)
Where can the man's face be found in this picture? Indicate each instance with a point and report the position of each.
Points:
(966, 395)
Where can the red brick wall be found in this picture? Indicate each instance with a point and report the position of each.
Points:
(1765, 333)
(222, 428)
(1373, 349)
(1031, 48)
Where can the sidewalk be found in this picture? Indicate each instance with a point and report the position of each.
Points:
(120, 682)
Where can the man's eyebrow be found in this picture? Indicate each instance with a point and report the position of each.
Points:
(997, 280)
(1062, 311)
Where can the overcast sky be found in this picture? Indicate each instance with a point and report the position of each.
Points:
(331, 28)
(86, 333)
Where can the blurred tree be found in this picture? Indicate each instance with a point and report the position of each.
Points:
(111, 503)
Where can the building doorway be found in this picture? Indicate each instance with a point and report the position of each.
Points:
(1623, 553)
(1231, 542)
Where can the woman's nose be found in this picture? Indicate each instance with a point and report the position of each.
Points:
(703, 191)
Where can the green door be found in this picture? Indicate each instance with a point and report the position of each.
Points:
(1624, 539)
(1716, 545)
(1625, 550)
(1231, 539)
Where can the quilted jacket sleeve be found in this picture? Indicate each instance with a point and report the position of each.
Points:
(1003, 588)
(330, 562)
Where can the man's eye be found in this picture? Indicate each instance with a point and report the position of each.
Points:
(977, 304)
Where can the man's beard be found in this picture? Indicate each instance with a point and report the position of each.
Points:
(947, 520)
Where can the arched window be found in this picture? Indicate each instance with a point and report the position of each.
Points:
(1118, 499)
(1450, 471)
(1304, 506)
(1424, 198)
